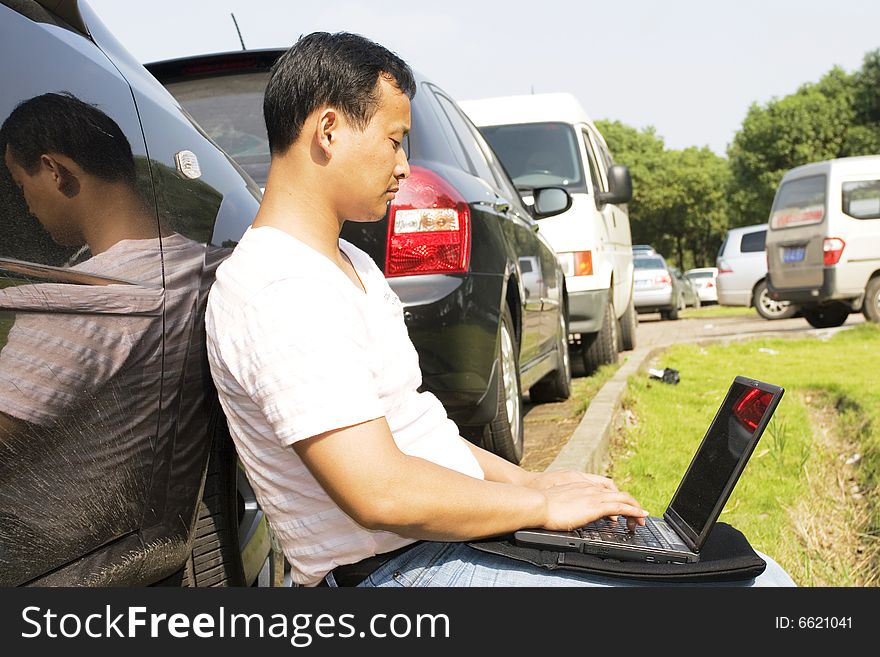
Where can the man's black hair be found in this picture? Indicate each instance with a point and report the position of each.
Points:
(341, 70)
(62, 123)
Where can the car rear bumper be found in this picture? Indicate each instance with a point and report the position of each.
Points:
(455, 335)
(812, 295)
(586, 310)
(650, 301)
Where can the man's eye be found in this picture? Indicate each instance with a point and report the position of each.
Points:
(396, 144)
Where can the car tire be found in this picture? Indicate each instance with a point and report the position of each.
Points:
(871, 305)
(601, 348)
(215, 559)
(629, 322)
(672, 313)
(769, 308)
(826, 316)
(504, 435)
(556, 386)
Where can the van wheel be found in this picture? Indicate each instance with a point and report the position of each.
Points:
(768, 307)
(601, 348)
(504, 435)
(556, 386)
(827, 316)
(871, 305)
(628, 324)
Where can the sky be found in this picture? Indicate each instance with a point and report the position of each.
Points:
(689, 68)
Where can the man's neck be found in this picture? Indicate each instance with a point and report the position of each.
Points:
(304, 215)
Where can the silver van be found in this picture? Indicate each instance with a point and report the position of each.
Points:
(823, 240)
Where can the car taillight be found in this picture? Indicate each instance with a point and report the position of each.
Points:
(723, 267)
(710, 284)
(832, 249)
(660, 279)
(750, 409)
(429, 227)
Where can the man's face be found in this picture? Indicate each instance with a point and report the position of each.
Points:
(44, 200)
(371, 163)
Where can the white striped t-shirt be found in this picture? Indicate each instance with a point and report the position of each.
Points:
(297, 350)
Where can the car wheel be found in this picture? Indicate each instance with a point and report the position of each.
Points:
(827, 316)
(215, 559)
(601, 348)
(770, 308)
(871, 305)
(672, 313)
(504, 435)
(628, 324)
(556, 386)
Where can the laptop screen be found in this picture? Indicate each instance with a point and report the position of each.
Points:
(723, 453)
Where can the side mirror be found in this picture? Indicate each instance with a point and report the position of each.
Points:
(620, 184)
(550, 201)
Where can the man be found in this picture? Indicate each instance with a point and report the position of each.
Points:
(317, 375)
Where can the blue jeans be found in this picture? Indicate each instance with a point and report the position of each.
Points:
(458, 565)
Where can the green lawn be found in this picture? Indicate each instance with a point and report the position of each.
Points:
(708, 312)
(798, 474)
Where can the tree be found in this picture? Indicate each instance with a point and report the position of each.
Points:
(678, 201)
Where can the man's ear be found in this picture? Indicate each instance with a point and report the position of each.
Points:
(65, 180)
(326, 130)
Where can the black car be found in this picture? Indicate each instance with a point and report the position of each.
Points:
(116, 468)
(484, 296)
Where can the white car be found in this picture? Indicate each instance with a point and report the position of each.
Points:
(742, 273)
(706, 280)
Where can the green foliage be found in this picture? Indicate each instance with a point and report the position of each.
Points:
(679, 196)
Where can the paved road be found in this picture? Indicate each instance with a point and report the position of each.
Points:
(548, 426)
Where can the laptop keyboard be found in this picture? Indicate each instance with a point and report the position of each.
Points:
(617, 532)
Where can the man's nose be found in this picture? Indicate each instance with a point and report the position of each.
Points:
(401, 168)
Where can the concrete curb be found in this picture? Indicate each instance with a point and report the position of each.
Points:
(587, 448)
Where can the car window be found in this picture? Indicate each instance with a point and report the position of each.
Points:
(477, 159)
(230, 109)
(649, 263)
(538, 154)
(861, 199)
(753, 242)
(605, 160)
(598, 181)
(799, 202)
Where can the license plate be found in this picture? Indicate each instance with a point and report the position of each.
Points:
(793, 253)
(642, 283)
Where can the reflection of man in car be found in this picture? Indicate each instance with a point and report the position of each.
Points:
(81, 367)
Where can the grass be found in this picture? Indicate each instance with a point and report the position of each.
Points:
(807, 497)
(708, 312)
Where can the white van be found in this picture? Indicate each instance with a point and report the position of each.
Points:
(549, 140)
(823, 240)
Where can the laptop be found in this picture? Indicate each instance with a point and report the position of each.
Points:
(701, 495)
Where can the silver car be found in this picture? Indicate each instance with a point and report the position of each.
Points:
(742, 273)
(655, 288)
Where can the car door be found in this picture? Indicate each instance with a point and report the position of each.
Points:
(81, 302)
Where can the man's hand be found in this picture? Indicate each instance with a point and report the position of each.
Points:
(576, 504)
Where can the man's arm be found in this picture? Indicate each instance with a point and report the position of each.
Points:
(380, 487)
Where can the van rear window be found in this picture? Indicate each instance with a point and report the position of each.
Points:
(799, 202)
(861, 199)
